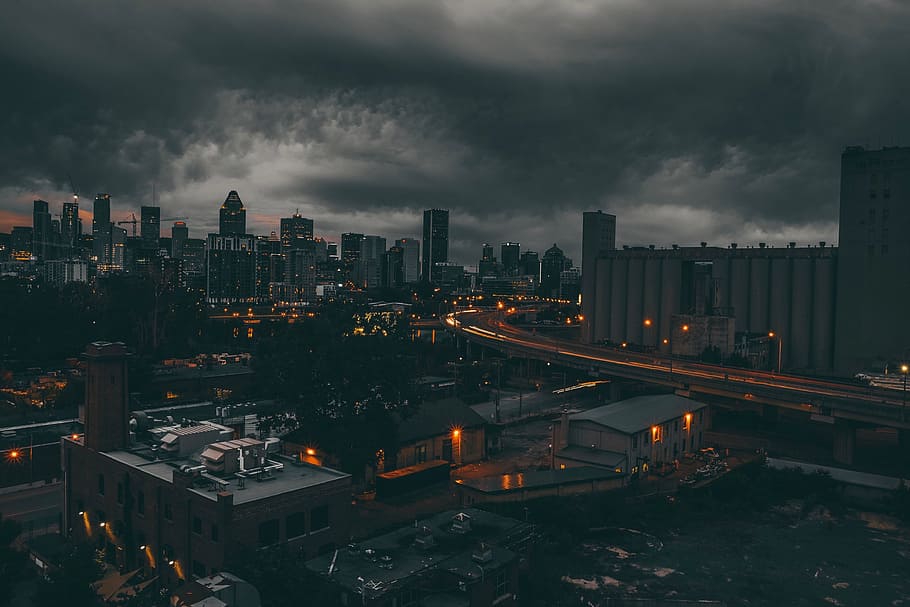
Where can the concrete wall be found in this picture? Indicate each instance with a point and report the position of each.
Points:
(790, 291)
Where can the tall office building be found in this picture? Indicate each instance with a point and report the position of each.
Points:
(295, 227)
(410, 254)
(489, 265)
(150, 228)
(350, 247)
(70, 225)
(872, 259)
(179, 235)
(551, 266)
(232, 216)
(372, 249)
(231, 269)
(42, 235)
(101, 229)
(435, 242)
(598, 236)
(529, 265)
(21, 242)
(510, 253)
(393, 268)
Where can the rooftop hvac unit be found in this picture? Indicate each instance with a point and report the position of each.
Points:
(425, 539)
(482, 554)
(461, 523)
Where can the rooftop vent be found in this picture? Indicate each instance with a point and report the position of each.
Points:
(461, 523)
(425, 539)
(761, 245)
(733, 245)
(822, 244)
(482, 554)
(792, 245)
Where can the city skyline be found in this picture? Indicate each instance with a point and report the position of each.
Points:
(691, 125)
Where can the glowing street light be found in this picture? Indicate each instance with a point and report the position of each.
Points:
(904, 370)
(14, 454)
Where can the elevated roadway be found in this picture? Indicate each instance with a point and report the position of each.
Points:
(827, 400)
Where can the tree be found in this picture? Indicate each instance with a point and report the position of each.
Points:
(71, 584)
(12, 561)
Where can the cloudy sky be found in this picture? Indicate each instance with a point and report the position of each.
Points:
(697, 120)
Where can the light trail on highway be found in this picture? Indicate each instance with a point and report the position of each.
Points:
(487, 326)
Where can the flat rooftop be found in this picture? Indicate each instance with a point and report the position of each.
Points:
(639, 413)
(294, 475)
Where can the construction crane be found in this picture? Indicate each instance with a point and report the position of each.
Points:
(73, 186)
(132, 221)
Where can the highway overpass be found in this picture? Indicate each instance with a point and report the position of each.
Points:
(843, 404)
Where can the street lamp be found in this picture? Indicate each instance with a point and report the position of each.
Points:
(904, 370)
(780, 348)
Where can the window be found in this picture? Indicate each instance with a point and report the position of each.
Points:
(140, 502)
(420, 454)
(319, 518)
(884, 234)
(197, 525)
(214, 533)
(645, 438)
(120, 493)
(168, 513)
(268, 532)
(296, 524)
(101, 484)
(502, 583)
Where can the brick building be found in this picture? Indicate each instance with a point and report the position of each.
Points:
(180, 500)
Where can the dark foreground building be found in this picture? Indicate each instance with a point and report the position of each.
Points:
(468, 558)
(181, 500)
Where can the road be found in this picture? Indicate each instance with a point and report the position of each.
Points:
(811, 394)
(36, 507)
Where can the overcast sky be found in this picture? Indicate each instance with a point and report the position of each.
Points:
(699, 120)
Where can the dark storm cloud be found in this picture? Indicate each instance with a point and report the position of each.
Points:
(691, 121)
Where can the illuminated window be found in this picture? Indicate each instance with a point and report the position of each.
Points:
(562, 466)
(656, 434)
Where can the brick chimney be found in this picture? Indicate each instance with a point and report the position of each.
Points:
(106, 397)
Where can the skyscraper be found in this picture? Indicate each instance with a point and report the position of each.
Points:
(529, 265)
(598, 236)
(371, 251)
(21, 241)
(232, 216)
(70, 225)
(179, 235)
(150, 228)
(872, 259)
(393, 268)
(552, 264)
(101, 229)
(231, 266)
(42, 242)
(435, 241)
(410, 254)
(295, 227)
(510, 253)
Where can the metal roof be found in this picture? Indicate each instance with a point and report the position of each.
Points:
(639, 413)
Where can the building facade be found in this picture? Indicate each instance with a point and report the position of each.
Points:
(150, 228)
(872, 259)
(410, 259)
(598, 237)
(182, 500)
(630, 436)
(435, 243)
(231, 269)
(232, 216)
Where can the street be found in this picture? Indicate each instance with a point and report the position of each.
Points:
(34, 509)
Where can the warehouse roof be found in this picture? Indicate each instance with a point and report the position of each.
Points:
(639, 413)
